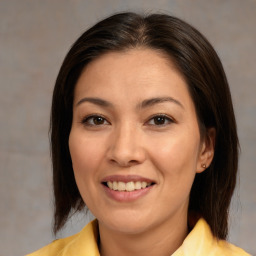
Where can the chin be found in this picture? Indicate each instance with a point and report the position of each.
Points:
(129, 228)
(126, 223)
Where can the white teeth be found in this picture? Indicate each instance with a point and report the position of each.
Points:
(137, 185)
(110, 184)
(129, 186)
(144, 184)
(121, 186)
(114, 185)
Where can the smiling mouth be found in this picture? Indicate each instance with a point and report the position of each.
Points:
(127, 186)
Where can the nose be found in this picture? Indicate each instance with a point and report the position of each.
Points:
(126, 147)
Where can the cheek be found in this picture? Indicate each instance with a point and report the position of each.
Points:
(176, 158)
(86, 157)
(175, 152)
(176, 164)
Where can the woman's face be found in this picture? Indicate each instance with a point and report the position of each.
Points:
(135, 142)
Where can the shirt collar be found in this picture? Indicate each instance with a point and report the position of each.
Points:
(199, 241)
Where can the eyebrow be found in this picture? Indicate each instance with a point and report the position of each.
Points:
(96, 101)
(144, 104)
(158, 100)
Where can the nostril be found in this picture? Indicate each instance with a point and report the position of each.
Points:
(124, 163)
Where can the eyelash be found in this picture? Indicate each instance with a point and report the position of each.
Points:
(87, 119)
(163, 116)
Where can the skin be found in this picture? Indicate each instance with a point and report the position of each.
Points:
(127, 140)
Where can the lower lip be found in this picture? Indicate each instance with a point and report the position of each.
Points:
(126, 196)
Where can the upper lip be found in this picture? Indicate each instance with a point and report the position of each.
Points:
(127, 178)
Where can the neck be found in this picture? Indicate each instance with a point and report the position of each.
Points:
(163, 240)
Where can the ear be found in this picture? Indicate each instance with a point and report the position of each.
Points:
(207, 150)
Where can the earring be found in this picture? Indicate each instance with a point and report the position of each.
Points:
(203, 165)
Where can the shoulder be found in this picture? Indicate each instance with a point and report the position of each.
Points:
(201, 242)
(55, 247)
(227, 249)
(83, 243)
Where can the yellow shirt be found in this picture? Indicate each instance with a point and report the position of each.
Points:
(199, 242)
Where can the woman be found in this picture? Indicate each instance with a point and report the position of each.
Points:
(143, 133)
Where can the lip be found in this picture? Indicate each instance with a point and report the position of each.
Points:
(126, 196)
(123, 196)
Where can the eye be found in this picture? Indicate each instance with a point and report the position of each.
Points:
(94, 120)
(160, 120)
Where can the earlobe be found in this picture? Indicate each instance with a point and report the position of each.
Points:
(207, 150)
(203, 165)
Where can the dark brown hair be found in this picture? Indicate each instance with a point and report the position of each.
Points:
(197, 61)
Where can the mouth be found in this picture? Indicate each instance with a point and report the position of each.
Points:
(127, 186)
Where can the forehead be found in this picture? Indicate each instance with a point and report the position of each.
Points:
(136, 73)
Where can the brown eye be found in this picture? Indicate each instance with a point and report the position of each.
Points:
(160, 120)
(98, 120)
(95, 121)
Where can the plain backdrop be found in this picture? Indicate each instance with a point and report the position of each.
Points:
(35, 35)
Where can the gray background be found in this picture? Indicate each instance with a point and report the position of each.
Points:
(34, 37)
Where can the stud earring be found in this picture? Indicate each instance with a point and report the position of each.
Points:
(203, 165)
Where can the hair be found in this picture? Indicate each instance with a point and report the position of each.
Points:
(201, 67)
